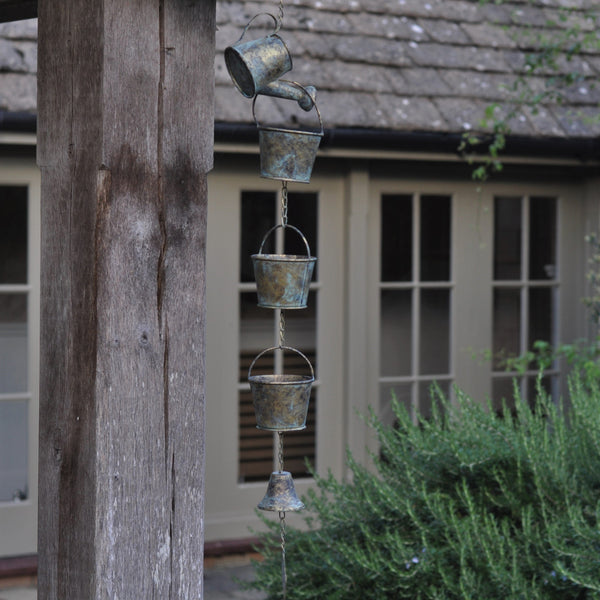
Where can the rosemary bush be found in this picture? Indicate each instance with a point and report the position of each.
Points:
(467, 505)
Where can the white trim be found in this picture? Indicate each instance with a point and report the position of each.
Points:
(18, 139)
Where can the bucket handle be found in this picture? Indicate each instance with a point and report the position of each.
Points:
(312, 372)
(284, 227)
(306, 102)
(260, 14)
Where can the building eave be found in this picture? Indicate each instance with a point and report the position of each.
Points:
(354, 142)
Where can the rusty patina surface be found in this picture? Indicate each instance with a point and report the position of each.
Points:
(281, 401)
(281, 494)
(282, 280)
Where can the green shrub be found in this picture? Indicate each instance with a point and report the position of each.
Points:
(468, 505)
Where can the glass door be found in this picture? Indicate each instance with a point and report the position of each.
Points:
(239, 457)
(19, 330)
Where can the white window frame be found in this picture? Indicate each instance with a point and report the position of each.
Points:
(18, 520)
(472, 273)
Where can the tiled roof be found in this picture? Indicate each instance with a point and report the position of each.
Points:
(399, 65)
(415, 65)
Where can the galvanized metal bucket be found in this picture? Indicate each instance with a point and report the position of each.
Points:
(288, 154)
(281, 494)
(254, 64)
(283, 280)
(281, 401)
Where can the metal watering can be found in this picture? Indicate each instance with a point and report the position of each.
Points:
(281, 401)
(255, 67)
(282, 280)
(288, 154)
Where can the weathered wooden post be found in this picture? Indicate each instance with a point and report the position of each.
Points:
(125, 143)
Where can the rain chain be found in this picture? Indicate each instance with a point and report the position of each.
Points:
(282, 280)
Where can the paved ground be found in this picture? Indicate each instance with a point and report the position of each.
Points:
(219, 583)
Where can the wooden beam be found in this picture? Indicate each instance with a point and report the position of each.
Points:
(125, 142)
(17, 10)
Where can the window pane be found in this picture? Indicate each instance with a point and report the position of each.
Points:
(507, 325)
(302, 214)
(542, 238)
(435, 238)
(435, 332)
(427, 390)
(13, 450)
(257, 325)
(503, 393)
(540, 315)
(13, 343)
(396, 333)
(258, 216)
(301, 326)
(299, 446)
(548, 383)
(396, 238)
(13, 234)
(256, 445)
(507, 238)
(402, 392)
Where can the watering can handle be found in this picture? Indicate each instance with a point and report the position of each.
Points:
(306, 101)
(277, 24)
(312, 372)
(284, 227)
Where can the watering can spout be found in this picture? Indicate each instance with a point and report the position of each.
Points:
(305, 96)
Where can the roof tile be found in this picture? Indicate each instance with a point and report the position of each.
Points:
(486, 34)
(457, 57)
(445, 32)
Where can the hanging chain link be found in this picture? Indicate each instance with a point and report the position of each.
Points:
(280, 13)
(280, 453)
(284, 203)
(283, 568)
(280, 458)
(281, 329)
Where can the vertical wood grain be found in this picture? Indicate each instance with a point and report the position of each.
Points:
(125, 142)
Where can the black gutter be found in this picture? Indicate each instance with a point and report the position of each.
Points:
(18, 122)
(581, 149)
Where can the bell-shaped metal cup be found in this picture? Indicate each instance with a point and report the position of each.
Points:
(281, 494)
(254, 64)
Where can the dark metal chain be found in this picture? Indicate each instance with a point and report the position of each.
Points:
(283, 568)
(280, 452)
(281, 329)
(284, 203)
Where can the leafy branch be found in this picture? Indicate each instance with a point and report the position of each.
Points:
(550, 72)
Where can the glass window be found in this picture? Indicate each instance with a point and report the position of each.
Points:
(13, 343)
(435, 238)
(13, 450)
(507, 238)
(13, 234)
(396, 237)
(414, 296)
(434, 349)
(525, 251)
(396, 333)
(542, 238)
